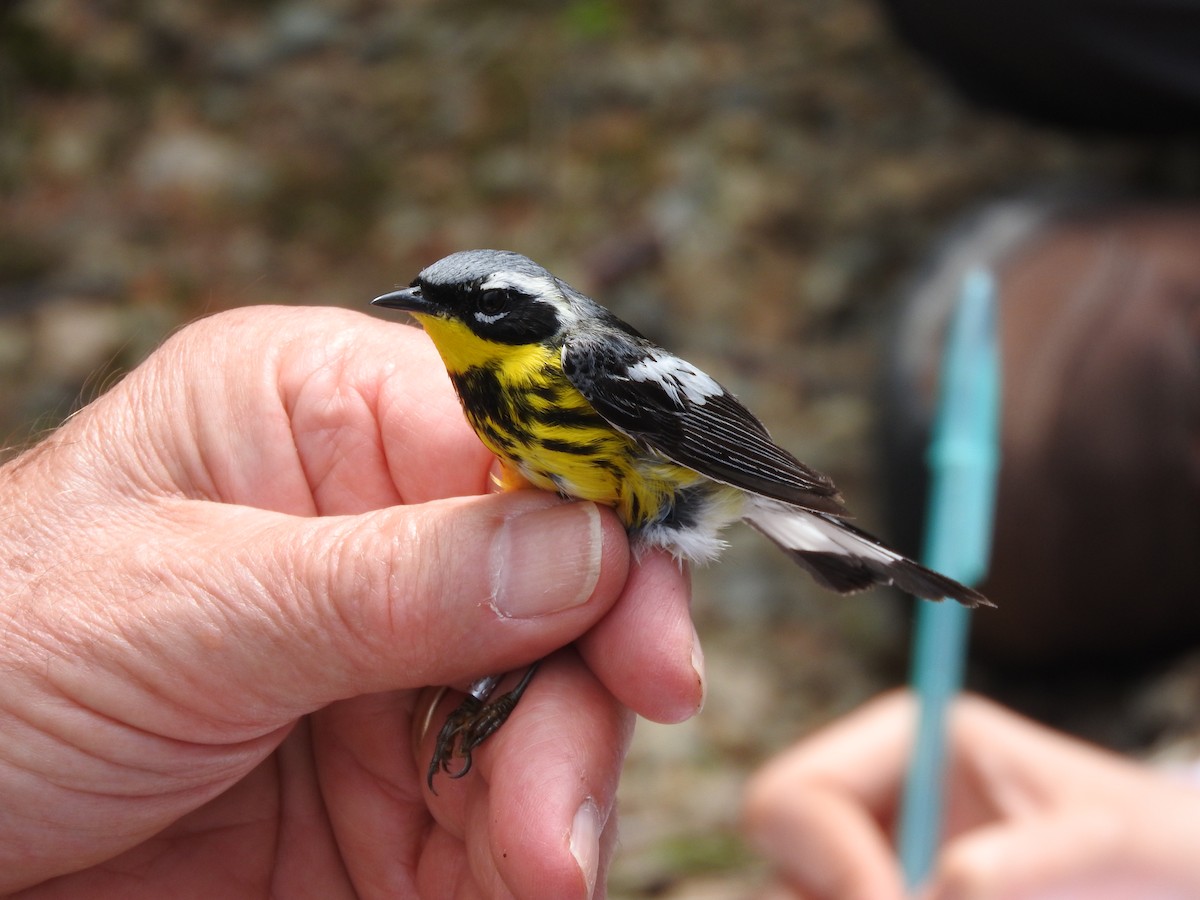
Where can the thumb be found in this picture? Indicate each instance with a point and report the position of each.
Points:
(446, 591)
(260, 617)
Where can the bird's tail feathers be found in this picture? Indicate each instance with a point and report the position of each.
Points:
(846, 559)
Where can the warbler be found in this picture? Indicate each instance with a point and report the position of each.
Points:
(574, 400)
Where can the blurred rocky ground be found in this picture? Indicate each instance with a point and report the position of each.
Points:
(746, 181)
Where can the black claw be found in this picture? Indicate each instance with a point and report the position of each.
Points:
(469, 725)
(443, 750)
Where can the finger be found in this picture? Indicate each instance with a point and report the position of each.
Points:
(376, 420)
(824, 845)
(552, 777)
(992, 749)
(374, 795)
(471, 586)
(821, 812)
(443, 873)
(370, 787)
(646, 650)
(863, 755)
(303, 411)
(1066, 818)
(534, 813)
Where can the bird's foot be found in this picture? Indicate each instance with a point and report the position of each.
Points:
(471, 723)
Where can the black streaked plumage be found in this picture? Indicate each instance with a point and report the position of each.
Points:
(579, 402)
(714, 434)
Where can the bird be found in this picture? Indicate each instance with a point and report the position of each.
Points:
(574, 400)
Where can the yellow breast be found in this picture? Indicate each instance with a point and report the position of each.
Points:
(527, 412)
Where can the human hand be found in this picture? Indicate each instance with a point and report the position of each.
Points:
(224, 585)
(1030, 813)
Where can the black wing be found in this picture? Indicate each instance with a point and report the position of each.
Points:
(671, 407)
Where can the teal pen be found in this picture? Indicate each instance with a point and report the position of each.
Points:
(963, 459)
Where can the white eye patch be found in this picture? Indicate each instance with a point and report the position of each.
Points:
(529, 285)
(489, 320)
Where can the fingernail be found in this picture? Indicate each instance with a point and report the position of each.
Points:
(698, 668)
(422, 722)
(687, 710)
(585, 842)
(547, 560)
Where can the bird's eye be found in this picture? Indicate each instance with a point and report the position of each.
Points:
(493, 302)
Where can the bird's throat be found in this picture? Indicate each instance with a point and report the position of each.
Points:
(462, 349)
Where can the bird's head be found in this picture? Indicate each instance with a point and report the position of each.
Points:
(494, 296)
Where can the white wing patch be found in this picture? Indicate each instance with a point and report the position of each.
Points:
(675, 376)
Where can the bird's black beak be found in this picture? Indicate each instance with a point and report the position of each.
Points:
(409, 299)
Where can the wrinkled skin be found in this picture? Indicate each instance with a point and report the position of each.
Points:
(227, 587)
